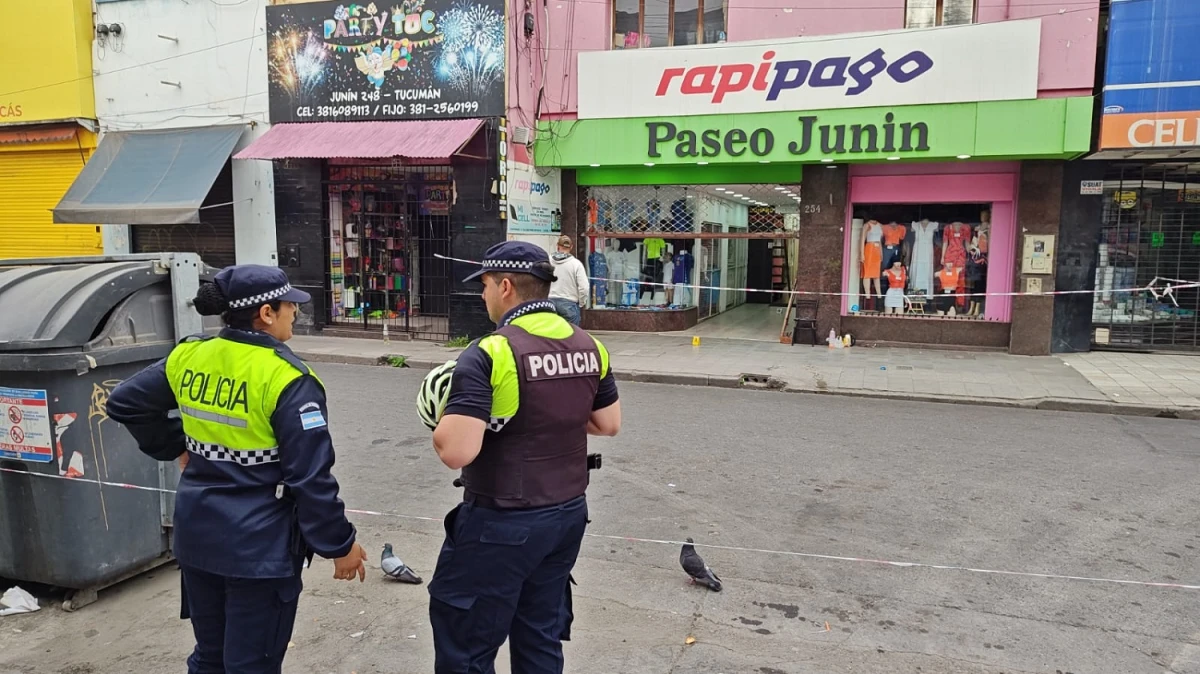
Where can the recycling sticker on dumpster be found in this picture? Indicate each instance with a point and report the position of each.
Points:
(26, 425)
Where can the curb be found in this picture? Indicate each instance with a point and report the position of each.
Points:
(753, 382)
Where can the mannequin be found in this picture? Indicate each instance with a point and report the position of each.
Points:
(871, 244)
(668, 275)
(598, 268)
(893, 301)
(631, 272)
(976, 278)
(948, 282)
(955, 238)
(920, 268)
(983, 232)
(616, 268)
(682, 276)
(893, 240)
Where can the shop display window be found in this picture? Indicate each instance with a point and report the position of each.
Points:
(920, 260)
(385, 226)
(1150, 230)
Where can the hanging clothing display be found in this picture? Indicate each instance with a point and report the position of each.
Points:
(682, 276)
(893, 237)
(872, 257)
(598, 269)
(921, 270)
(955, 238)
(894, 297)
(616, 267)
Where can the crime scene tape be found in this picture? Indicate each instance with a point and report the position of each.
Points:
(1166, 291)
(730, 548)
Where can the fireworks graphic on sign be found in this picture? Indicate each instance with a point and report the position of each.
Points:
(298, 62)
(472, 56)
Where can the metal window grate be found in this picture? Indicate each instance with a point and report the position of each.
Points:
(386, 224)
(1150, 228)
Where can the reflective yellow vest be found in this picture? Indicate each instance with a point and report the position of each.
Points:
(227, 392)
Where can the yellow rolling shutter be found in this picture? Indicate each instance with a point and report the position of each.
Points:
(31, 183)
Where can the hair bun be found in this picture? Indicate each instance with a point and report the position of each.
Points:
(209, 300)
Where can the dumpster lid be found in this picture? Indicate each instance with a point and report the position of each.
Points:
(64, 305)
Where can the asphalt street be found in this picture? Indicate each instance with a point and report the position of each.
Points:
(800, 492)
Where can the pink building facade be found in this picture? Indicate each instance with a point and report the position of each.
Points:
(998, 165)
(564, 28)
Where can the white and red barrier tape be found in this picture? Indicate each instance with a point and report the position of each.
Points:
(1166, 291)
(731, 548)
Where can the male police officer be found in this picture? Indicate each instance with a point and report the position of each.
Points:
(256, 496)
(522, 402)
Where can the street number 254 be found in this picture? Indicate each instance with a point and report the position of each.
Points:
(812, 208)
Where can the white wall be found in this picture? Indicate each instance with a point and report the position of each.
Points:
(216, 54)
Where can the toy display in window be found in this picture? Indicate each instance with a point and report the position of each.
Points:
(893, 301)
(872, 262)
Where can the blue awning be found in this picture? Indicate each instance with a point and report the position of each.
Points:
(148, 177)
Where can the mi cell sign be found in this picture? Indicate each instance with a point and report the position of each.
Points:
(944, 65)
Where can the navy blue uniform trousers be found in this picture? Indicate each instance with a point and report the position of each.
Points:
(242, 625)
(505, 574)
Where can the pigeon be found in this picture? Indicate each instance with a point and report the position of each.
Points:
(697, 569)
(395, 568)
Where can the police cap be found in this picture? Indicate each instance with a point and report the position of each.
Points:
(252, 285)
(516, 257)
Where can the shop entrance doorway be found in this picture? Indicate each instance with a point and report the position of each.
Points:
(387, 224)
(1150, 229)
(723, 256)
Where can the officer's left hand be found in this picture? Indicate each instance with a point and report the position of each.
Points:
(183, 461)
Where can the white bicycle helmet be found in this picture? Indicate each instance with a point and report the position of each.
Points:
(435, 391)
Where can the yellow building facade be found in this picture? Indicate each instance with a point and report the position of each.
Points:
(47, 111)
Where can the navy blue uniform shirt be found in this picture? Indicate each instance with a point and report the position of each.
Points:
(228, 520)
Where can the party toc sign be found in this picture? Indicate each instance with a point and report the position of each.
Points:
(415, 59)
(868, 70)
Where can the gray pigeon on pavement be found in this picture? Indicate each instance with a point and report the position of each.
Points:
(395, 568)
(691, 562)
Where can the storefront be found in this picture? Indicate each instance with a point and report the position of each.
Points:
(47, 133)
(387, 159)
(898, 207)
(1149, 226)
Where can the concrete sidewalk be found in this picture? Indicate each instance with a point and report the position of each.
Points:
(1113, 383)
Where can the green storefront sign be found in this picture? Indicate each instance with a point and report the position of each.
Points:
(1055, 128)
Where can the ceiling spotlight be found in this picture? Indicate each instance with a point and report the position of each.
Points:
(701, 163)
(893, 158)
(964, 156)
(781, 188)
(719, 189)
(831, 166)
(736, 195)
(649, 163)
(764, 161)
(826, 161)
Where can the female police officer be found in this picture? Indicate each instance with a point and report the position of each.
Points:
(256, 497)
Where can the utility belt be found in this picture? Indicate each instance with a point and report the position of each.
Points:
(594, 462)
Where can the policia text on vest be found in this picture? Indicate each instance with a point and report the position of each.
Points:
(256, 497)
(213, 390)
(521, 404)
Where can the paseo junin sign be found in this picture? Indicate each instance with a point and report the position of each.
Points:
(808, 135)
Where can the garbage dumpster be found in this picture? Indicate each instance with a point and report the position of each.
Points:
(72, 330)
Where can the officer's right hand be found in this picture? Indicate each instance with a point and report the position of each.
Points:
(345, 568)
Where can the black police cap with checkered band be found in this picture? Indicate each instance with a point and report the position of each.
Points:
(252, 285)
(516, 257)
